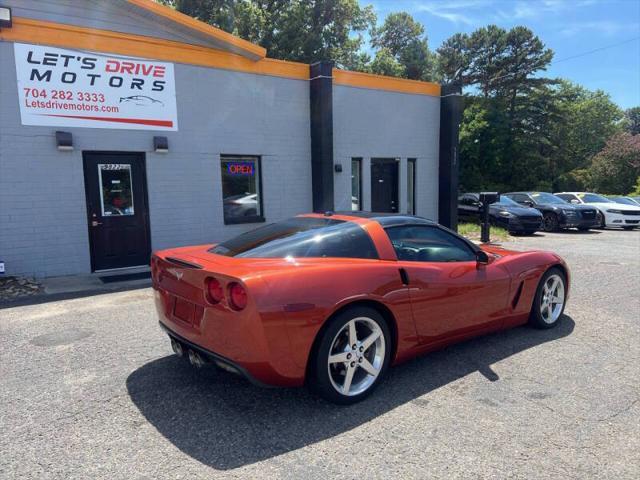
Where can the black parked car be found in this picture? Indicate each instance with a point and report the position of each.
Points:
(556, 212)
(504, 213)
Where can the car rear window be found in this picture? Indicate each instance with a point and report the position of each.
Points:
(301, 237)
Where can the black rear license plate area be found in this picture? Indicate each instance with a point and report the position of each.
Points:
(183, 310)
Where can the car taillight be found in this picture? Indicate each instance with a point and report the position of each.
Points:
(215, 292)
(237, 296)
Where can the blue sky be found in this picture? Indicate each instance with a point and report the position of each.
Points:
(568, 27)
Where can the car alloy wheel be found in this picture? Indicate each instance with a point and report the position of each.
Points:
(549, 302)
(550, 222)
(552, 299)
(351, 355)
(356, 356)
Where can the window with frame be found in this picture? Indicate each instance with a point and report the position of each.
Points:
(411, 186)
(241, 189)
(424, 243)
(356, 184)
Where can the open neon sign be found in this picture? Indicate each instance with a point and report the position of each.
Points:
(241, 168)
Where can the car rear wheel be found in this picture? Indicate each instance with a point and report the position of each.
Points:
(549, 302)
(550, 222)
(352, 356)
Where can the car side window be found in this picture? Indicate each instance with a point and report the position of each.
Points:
(422, 243)
(470, 200)
(567, 197)
(465, 200)
(522, 198)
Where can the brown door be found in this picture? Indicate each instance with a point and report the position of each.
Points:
(116, 189)
(384, 185)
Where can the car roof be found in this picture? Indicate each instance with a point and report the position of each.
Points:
(385, 219)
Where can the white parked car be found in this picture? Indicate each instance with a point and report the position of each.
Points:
(613, 214)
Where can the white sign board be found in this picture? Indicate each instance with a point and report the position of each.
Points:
(70, 88)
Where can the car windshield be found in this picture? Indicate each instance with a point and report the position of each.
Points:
(543, 197)
(506, 202)
(301, 237)
(594, 198)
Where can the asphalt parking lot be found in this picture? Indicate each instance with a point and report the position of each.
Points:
(89, 389)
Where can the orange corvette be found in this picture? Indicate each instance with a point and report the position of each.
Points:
(333, 300)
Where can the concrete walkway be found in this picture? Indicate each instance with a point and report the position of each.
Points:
(76, 286)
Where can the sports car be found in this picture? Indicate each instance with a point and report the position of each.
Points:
(333, 300)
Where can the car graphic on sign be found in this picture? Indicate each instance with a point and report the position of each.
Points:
(142, 100)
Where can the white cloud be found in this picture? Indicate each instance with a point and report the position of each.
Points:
(604, 27)
(469, 12)
(481, 12)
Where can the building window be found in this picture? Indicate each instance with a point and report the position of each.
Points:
(116, 194)
(241, 189)
(411, 186)
(356, 184)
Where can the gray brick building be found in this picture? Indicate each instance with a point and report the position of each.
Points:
(97, 171)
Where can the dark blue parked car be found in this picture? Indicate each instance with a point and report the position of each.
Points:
(504, 213)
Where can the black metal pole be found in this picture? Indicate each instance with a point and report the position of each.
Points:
(485, 229)
(487, 198)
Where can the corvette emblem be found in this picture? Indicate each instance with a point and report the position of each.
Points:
(176, 273)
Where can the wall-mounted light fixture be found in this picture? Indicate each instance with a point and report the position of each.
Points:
(5, 17)
(160, 144)
(64, 141)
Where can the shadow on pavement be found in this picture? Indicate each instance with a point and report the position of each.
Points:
(223, 421)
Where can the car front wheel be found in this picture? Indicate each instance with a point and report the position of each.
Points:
(550, 222)
(351, 357)
(549, 302)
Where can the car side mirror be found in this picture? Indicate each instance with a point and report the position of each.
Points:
(481, 257)
(574, 201)
(527, 203)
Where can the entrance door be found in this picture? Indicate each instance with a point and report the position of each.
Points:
(384, 185)
(116, 189)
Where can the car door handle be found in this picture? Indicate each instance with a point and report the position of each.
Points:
(95, 223)
(404, 276)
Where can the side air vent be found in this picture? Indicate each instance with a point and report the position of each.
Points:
(183, 263)
(516, 298)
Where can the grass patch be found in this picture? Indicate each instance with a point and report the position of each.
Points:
(472, 232)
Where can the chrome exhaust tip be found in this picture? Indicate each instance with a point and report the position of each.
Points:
(196, 359)
(177, 348)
